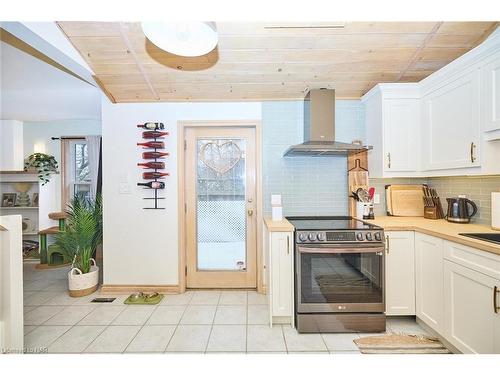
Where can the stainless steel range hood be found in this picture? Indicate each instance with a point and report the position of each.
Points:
(319, 128)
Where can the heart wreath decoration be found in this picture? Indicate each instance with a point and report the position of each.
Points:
(221, 158)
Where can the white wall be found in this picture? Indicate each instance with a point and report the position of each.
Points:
(37, 138)
(11, 145)
(141, 246)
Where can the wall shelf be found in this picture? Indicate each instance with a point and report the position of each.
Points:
(19, 208)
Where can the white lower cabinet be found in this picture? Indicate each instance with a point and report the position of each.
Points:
(280, 279)
(400, 273)
(472, 324)
(429, 280)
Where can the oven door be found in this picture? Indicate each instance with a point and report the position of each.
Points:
(339, 279)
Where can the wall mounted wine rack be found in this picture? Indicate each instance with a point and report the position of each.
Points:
(153, 145)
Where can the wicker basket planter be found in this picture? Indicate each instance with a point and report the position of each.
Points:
(82, 284)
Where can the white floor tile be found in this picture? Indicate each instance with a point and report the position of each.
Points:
(340, 341)
(231, 315)
(165, 315)
(69, 316)
(40, 338)
(198, 315)
(28, 329)
(41, 314)
(152, 339)
(227, 338)
(303, 342)
(39, 298)
(76, 339)
(101, 316)
(258, 314)
(189, 338)
(255, 298)
(61, 299)
(342, 352)
(262, 338)
(405, 325)
(206, 297)
(177, 299)
(233, 298)
(114, 339)
(134, 316)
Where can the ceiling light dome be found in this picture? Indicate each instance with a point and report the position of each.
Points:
(182, 38)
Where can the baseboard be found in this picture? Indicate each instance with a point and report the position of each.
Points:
(127, 289)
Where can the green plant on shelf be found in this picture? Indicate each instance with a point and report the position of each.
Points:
(44, 164)
(82, 232)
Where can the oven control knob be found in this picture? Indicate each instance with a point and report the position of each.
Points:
(378, 237)
(312, 237)
(359, 236)
(369, 236)
(302, 237)
(321, 236)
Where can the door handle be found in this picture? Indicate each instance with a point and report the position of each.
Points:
(288, 244)
(250, 212)
(495, 307)
(472, 157)
(389, 160)
(387, 244)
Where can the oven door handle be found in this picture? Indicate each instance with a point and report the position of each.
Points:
(338, 250)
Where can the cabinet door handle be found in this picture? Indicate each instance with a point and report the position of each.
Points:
(495, 307)
(387, 244)
(472, 157)
(389, 160)
(288, 244)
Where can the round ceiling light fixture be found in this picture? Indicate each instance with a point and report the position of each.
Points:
(183, 39)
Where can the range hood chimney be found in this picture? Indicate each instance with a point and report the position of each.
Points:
(319, 128)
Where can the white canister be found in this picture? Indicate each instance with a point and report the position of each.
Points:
(495, 210)
(360, 210)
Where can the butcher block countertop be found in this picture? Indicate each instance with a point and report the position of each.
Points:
(439, 228)
(278, 226)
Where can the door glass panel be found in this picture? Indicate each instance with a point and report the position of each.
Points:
(341, 278)
(220, 202)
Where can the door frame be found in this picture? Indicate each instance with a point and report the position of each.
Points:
(181, 130)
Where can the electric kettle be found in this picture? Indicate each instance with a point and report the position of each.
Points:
(458, 210)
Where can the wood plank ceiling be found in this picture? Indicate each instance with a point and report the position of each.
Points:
(258, 61)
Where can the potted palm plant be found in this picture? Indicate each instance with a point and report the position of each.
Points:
(79, 240)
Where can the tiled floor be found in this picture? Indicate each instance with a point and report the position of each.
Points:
(197, 322)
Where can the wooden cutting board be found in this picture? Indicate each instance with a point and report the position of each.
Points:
(405, 200)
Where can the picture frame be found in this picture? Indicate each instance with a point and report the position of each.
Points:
(9, 199)
(34, 200)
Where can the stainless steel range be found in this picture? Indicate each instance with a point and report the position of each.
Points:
(339, 275)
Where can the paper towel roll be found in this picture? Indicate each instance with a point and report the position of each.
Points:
(495, 210)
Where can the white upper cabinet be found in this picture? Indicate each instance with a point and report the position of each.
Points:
(442, 125)
(490, 80)
(451, 124)
(392, 121)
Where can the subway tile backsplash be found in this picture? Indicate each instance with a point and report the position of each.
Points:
(309, 186)
(476, 188)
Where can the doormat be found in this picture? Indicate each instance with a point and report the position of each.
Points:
(400, 344)
(143, 299)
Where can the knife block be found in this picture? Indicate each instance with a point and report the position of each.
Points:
(431, 213)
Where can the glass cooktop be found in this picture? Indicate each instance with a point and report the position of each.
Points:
(329, 223)
(490, 237)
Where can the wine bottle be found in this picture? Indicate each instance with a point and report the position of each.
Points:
(153, 175)
(152, 165)
(154, 155)
(153, 134)
(152, 125)
(152, 184)
(152, 144)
